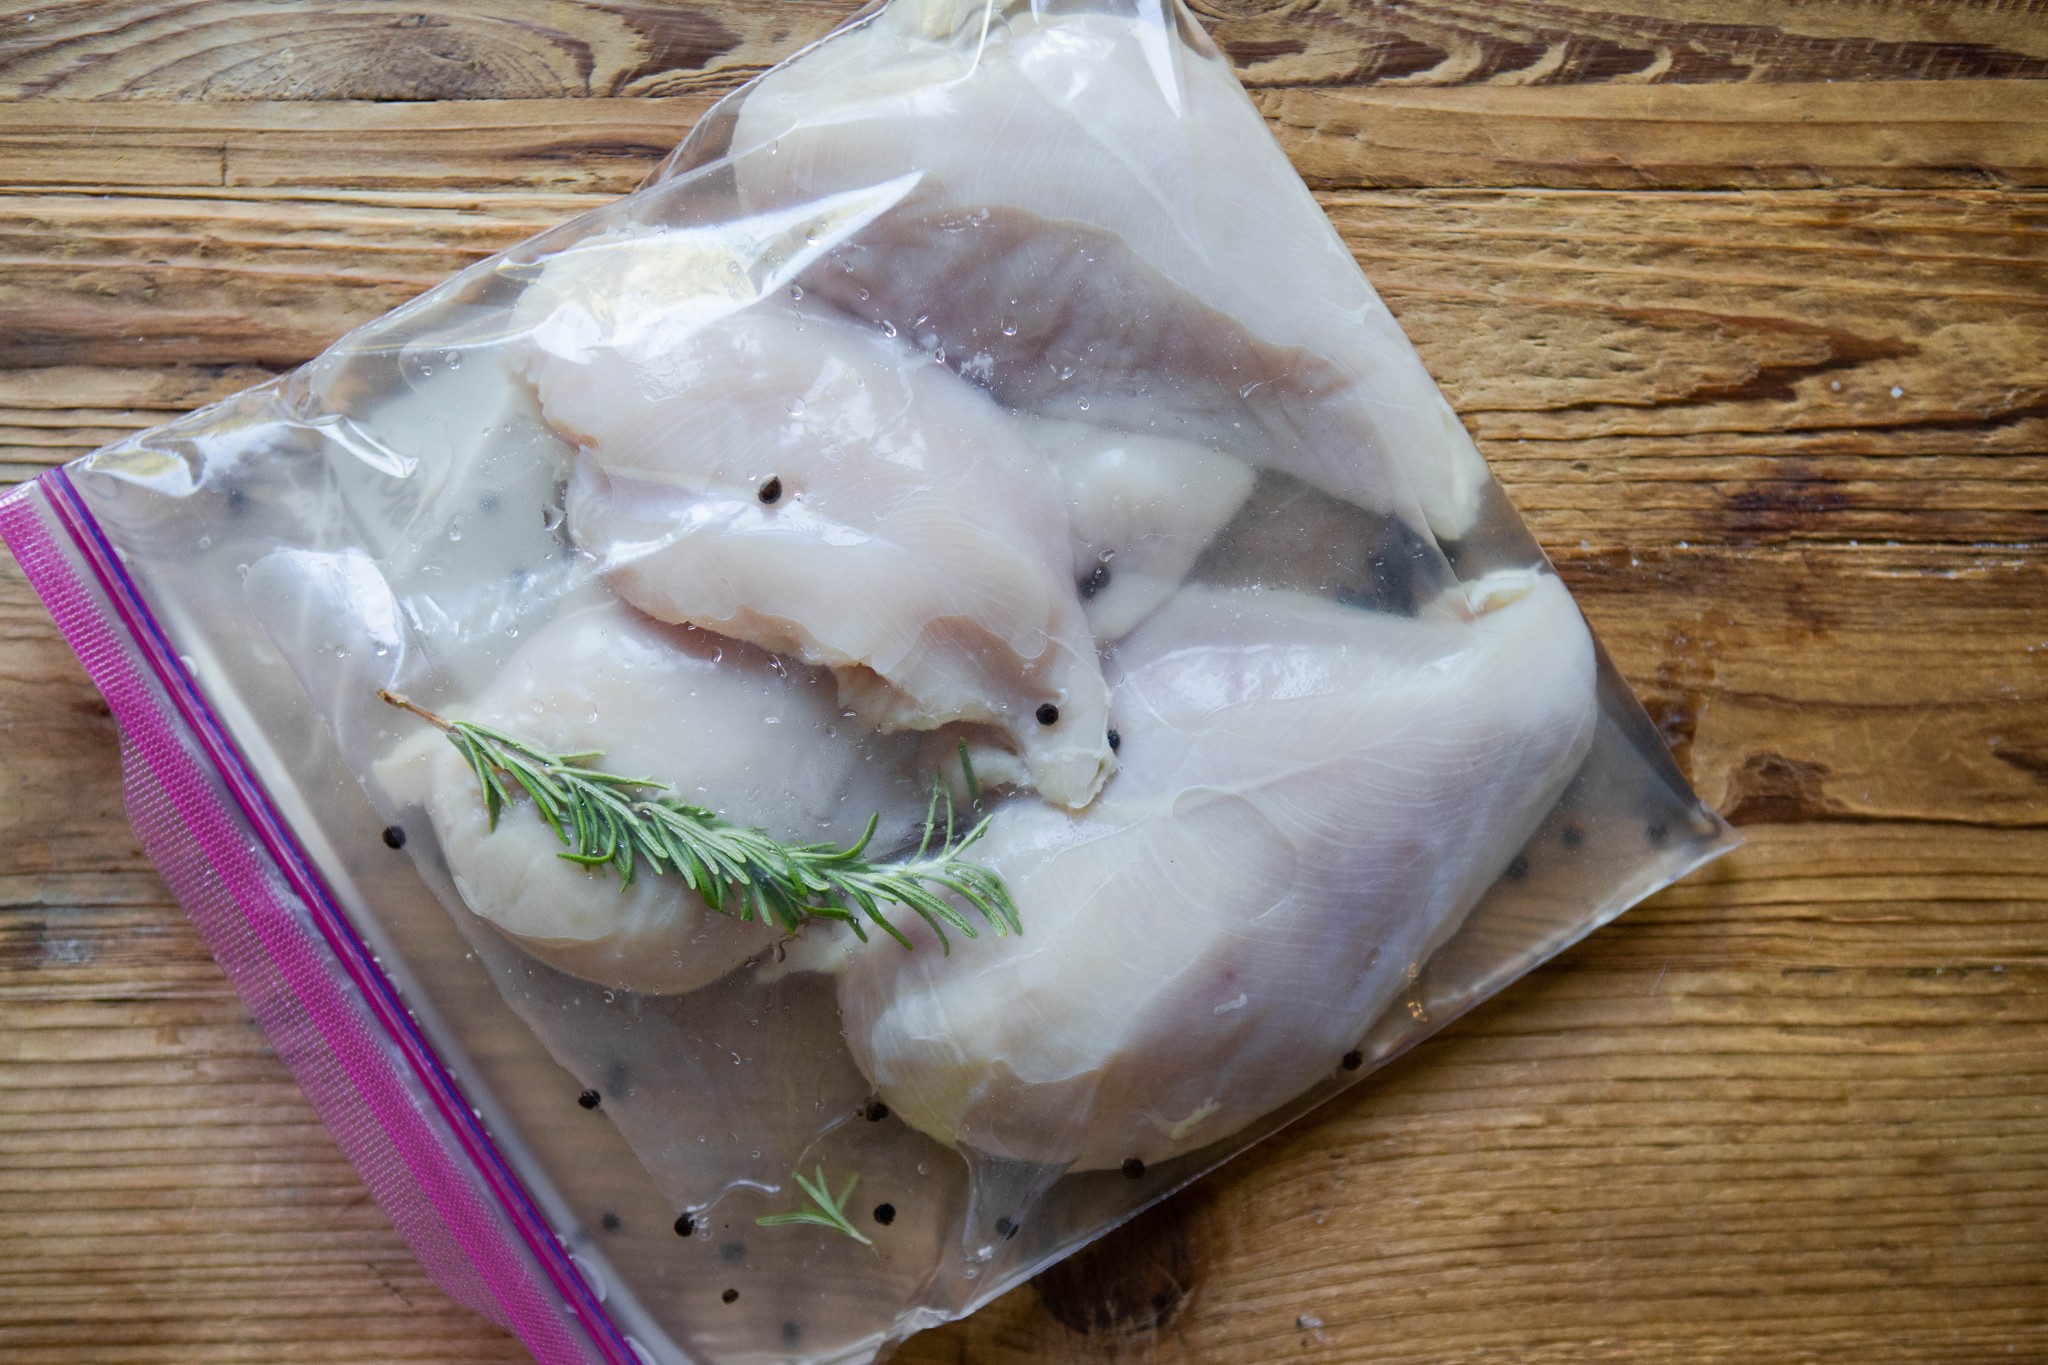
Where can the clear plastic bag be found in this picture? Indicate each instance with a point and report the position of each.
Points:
(977, 402)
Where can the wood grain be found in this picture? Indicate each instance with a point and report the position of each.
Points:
(1748, 304)
(562, 49)
(1967, 134)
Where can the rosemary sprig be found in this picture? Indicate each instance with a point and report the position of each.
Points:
(830, 1213)
(607, 819)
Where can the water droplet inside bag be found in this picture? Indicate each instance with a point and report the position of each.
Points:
(888, 329)
(1009, 327)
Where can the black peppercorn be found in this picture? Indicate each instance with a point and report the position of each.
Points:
(1005, 1228)
(875, 1111)
(1353, 1060)
(394, 836)
(1116, 741)
(885, 1214)
(1095, 582)
(1048, 714)
(771, 491)
(1133, 1167)
(610, 1222)
(730, 1296)
(1517, 869)
(1571, 836)
(685, 1225)
(589, 1099)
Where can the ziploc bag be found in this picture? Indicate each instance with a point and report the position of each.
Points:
(975, 425)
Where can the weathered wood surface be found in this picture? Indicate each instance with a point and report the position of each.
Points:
(1748, 302)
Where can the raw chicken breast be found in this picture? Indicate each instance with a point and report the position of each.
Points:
(809, 486)
(1105, 224)
(758, 741)
(1140, 509)
(1311, 798)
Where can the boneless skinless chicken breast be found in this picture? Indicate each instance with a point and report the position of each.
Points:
(803, 483)
(1311, 798)
(1103, 229)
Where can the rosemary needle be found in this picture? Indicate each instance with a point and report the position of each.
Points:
(830, 1213)
(967, 771)
(610, 820)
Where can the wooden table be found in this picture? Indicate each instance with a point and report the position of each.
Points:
(1748, 304)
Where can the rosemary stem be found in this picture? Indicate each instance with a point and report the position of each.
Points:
(405, 703)
(609, 819)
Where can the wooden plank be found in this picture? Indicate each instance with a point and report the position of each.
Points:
(1967, 134)
(1648, 333)
(1577, 42)
(224, 281)
(1964, 134)
(557, 49)
(1838, 685)
(503, 49)
(1835, 684)
(595, 145)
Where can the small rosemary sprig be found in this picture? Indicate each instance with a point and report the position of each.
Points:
(830, 1213)
(606, 819)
